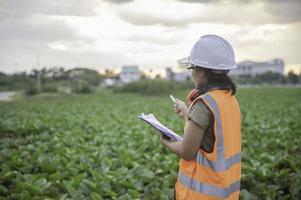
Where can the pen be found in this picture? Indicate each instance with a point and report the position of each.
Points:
(172, 98)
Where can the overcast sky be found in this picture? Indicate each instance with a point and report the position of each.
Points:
(152, 34)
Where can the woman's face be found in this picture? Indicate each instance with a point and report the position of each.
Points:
(197, 76)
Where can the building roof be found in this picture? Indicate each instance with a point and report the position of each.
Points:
(130, 69)
(270, 62)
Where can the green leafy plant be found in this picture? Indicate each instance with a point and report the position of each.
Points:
(94, 147)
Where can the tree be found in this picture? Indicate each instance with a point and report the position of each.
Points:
(292, 77)
(269, 77)
(109, 73)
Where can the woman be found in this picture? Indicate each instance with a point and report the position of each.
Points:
(210, 152)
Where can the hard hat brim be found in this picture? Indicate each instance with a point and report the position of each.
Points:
(208, 67)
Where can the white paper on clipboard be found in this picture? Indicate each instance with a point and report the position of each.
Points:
(151, 120)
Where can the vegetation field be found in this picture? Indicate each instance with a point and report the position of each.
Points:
(93, 146)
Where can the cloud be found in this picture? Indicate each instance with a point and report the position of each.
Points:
(147, 33)
(21, 8)
(146, 19)
(288, 11)
(182, 13)
(162, 39)
(28, 27)
(36, 29)
(156, 12)
(119, 1)
(217, 1)
(265, 42)
(182, 20)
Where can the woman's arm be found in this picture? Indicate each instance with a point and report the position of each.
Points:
(188, 147)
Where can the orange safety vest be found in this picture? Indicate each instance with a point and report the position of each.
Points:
(215, 175)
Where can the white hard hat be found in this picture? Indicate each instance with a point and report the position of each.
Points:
(212, 52)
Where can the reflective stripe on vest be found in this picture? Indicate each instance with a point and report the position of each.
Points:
(220, 142)
(221, 164)
(207, 188)
(218, 165)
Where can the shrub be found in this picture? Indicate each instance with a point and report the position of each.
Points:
(31, 90)
(49, 88)
(81, 87)
(152, 87)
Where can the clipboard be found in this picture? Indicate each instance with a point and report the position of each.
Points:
(152, 121)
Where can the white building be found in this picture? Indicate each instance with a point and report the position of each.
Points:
(129, 74)
(253, 68)
(177, 76)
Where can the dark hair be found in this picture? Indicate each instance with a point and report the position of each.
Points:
(218, 79)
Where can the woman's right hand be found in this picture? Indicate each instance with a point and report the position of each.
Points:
(181, 108)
